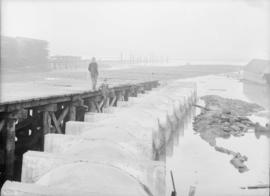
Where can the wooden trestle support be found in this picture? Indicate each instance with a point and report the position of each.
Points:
(24, 123)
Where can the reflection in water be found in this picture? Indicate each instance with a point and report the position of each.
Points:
(178, 132)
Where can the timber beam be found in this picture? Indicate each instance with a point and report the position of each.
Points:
(113, 99)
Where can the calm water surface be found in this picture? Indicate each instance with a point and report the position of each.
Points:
(195, 163)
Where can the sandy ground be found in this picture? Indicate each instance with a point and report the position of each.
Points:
(21, 86)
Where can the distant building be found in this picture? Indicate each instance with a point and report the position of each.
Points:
(22, 54)
(61, 62)
(257, 71)
(67, 62)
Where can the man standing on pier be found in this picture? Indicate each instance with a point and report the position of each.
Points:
(93, 69)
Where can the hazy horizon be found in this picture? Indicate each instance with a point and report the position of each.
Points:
(193, 31)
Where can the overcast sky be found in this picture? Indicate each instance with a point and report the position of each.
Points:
(215, 30)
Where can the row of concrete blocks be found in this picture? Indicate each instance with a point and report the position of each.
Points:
(107, 154)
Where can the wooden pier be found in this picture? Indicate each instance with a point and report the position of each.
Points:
(24, 123)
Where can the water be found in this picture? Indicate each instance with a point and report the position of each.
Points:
(195, 163)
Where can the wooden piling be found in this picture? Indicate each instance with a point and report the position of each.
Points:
(46, 122)
(113, 101)
(72, 112)
(2, 123)
(126, 95)
(47, 109)
(55, 122)
(63, 115)
(10, 133)
(92, 106)
(10, 148)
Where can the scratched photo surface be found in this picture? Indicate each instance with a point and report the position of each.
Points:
(135, 97)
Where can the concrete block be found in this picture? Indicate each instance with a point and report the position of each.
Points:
(37, 164)
(96, 117)
(58, 142)
(75, 127)
(11, 188)
(99, 178)
(141, 146)
(109, 110)
(122, 104)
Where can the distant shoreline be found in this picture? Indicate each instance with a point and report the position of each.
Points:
(155, 72)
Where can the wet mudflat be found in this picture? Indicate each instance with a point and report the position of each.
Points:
(207, 160)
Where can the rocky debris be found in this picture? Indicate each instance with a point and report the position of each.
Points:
(224, 150)
(222, 123)
(261, 130)
(222, 117)
(237, 160)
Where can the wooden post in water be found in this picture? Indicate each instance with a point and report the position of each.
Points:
(173, 193)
